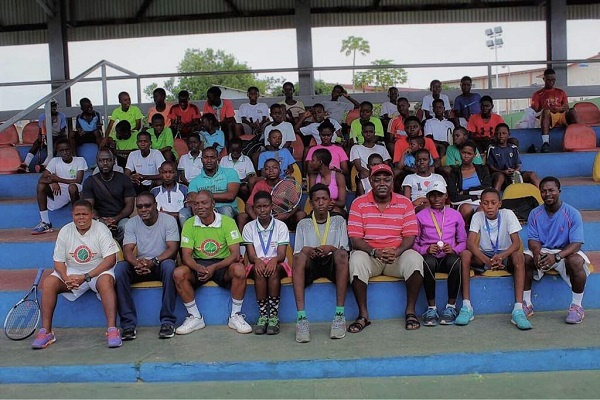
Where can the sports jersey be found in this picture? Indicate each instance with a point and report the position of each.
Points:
(222, 111)
(132, 114)
(356, 129)
(467, 105)
(503, 157)
(210, 241)
(277, 231)
(170, 200)
(186, 116)
(58, 167)
(209, 139)
(558, 231)
(396, 127)
(88, 125)
(165, 139)
(453, 157)
(549, 98)
(165, 113)
(148, 165)
(439, 129)
(481, 128)
(125, 144)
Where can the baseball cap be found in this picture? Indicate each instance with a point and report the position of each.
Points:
(437, 186)
(381, 168)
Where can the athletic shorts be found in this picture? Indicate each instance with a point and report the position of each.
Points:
(85, 286)
(558, 119)
(285, 265)
(58, 202)
(507, 264)
(560, 267)
(323, 267)
(218, 277)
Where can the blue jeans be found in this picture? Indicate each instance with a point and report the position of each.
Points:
(186, 213)
(125, 275)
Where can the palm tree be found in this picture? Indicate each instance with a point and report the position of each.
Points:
(351, 45)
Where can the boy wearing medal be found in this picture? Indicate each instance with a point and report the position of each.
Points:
(441, 239)
(266, 240)
(321, 250)
(498, 248)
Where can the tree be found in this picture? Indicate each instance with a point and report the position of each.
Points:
(351, 45)
(321, 87)
(362, 80)
(388, 77)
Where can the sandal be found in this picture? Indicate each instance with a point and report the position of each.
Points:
(358, 325)
(412, 322)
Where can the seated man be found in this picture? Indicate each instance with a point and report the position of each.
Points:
(483, 125)
(416, 186)
(366, 116)
(155, 236)
(59, 184)
(210, 250)
(553, 105)
(125, 112)
(143, 164)
(88, 128)
(555, 236)
(111, 194)
(170, 196)
(222, 109)
(84, 256)
(184, 116)
(254, 115)
(382, 227)
(321, 250)
(466, 103)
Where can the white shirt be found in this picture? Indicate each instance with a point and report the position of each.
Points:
(287, 133)
(256, 112)
(190, 166)
(420, 184)
(428, 103)
(359, 151)
(312, 130)
(509, 224)
(441, 130)
(145, 165)
(83, 253)
(170, 200)
(58, 167)
(243, 165)
(280, 237)
(390, 109)
(336, 109)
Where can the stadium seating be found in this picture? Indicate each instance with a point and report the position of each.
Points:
(30, 132)
(352, 115)
(520, 190)
(596, 168)
(587, 113)
(10, 160)
(9, 136)
(579, 137)
(298, 148)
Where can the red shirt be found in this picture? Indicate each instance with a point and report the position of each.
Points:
(191, 113)
(225, 111)
(164, 113)
(382, 230)
(402, 145)
(395, 125)
(480, 128)
(260, 185)
(551, 99)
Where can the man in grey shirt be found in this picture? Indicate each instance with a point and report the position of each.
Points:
(155, 236)
(321, 250)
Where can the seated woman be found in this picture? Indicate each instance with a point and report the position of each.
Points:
(467, 181)
(321, 172)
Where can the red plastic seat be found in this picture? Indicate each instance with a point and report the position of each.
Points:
(9, 136)
(181, 146)
(352, 115)
(298, 148)
(30, 132)
(579, 137)
(10, 160)
(587, 113)
(223, 153)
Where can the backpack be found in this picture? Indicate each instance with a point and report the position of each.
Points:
(521, 206)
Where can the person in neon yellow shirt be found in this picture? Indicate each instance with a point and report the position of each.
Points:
(366, 115)
(162, 138)
(126, 112)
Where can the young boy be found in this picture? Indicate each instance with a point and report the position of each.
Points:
(441, 239)
(88, 128)
(184, 116)
(59, 184)
(459, 136)
(366, 115)
(170, 195)
(498, 249)
(359, 153)
(162, 137)
(395, 128)
(222, 109)
(481, 126)
(436, 93)
(266, 240)
(415, 186)
(125, 112)
(190, 164)
(466, 103)
(413, 129)
(283, 155)
(321, 250)
(439, 128)
(374, 159)
(292, 108)
(286, 128)
(410, 162)
(335, 108)
(254, 115)
(210, 134)
(389, 109)
(504, 162)
(159, 95)
(312, 129)
(241, 163)
(142, 165)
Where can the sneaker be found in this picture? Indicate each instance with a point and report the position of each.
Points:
(190, 324)
(545, 148)
(465, 316)
(302, 331)
(113, 338)
(575, 315)
(23, 169)
(527, 309)
(41, 228)
(430, 317)
(532, 149)
(520, 320)
(517, 177)
(166, 331)
(128, 334)
(43, 339)
(261, 325)
(273, 326)
(238, 323)
(338, 327)
(448, 316)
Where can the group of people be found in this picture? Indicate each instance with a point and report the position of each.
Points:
(188, 229)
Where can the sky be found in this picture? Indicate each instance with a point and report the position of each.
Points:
(403, 44)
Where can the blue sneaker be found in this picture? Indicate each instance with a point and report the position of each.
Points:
(430, 318)
(43, 339)
(520, 320)
(42, 228)
(448, 316)
(464, 317)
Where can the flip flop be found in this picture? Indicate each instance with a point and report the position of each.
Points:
(358, 325)
(411, 322)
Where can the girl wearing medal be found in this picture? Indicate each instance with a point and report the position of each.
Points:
(442, 237)
(498, 249)
(266, 240)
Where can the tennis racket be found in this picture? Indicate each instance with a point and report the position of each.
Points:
(22, 320)
(286, 196)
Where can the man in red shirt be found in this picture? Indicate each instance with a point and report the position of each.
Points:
(184, 116)
(554, 106)
(483, 125)
(382, 227)
(222, 109)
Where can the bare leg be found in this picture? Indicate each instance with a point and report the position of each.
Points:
(106, 288)
(183, 277)
(299, 267)
(413, 286)
(51, 287)
(360, 294)
(340, 258)
(237, 273)
(518, 260)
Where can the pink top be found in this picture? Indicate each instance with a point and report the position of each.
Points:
(337, 154)
(333, 188)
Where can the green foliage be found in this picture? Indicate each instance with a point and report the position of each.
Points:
(320, 88)
(380, 77)
(352, 44)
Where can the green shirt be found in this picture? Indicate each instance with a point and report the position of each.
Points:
(132, 114)
(212, 241)
(453, 157)
(356, 130)
(164, 140)
(125, 144)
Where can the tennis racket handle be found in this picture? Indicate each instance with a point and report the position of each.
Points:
(38, 276)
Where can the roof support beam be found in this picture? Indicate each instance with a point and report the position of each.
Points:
(556, 38)
(58, 50)
(143, 8)
(46, 7)
(304, 49)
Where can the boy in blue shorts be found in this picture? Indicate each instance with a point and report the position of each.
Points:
(285, 158)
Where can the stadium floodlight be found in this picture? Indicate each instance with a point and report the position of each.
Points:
(494, 42)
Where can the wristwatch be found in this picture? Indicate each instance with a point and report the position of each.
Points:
(87, 277)
(156, 261)
(557, 257)
(373, 252)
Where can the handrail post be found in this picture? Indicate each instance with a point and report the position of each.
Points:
(104, 96)
(49, 138)
(139, 91)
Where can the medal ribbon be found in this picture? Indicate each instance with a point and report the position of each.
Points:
(323, 239)
(260, 236)
(487, 228)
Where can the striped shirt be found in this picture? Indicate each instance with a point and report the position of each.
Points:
(382, 229)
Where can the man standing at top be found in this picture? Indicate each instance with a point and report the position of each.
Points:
(553, 105)
(222, 109)
(466, 103)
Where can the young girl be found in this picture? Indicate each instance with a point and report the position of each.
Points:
(459, 136)
(436, 93)
(339, 158)
(211, 135)
(320, 165)
(266, 240)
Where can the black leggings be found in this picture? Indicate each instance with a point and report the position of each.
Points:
(450, 265)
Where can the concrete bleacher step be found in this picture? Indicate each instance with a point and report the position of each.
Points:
(560, 165)
(527, 137)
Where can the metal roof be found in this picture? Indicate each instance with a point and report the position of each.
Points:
(24, 21)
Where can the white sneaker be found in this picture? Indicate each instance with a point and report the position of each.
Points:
(190, 325)
(238, 323)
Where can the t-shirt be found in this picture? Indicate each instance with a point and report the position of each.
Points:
(284, 157)
(254, 112)
(224, 110)
(216, 184)
(88, 123)
(59, 122)
(58, 167)
(390, 109)
(120, 188)
(337, 109)
(503, 157)
(556, 232)
(261, 185)
(419, 185)
(295, 109)
(165, 113)
(549, 98)
(411, 162)
(453, 157)
(509, 224)
(164, 140)
(359, 151)
(190, 166)
(427, 104)
(307, 237)
(148, 165)
(396, 127)
(312, 130)
(186, 116)
(467, 105)
(402, 146)
(440, 130)
(243, 165)
(481, 128)
(277, 231)
(132, 115)
(338, 155)
(287, 133)
(209, 139)
(356, 130)
(83, 253)
(170, 200)
(125, 144)
(151, 241)
(212, 241)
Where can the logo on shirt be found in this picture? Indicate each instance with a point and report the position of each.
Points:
(234, 234)
(83, 254)
(209, 247)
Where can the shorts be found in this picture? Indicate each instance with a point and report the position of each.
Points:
(323, 267)
(218, 277)
(560, 267)
(85, 137)
(85, 286)
(363, 266)
(558, 119)
(58, 202)
(285, 265)
(506, 263)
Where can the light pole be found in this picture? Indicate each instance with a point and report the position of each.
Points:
(494, 42)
